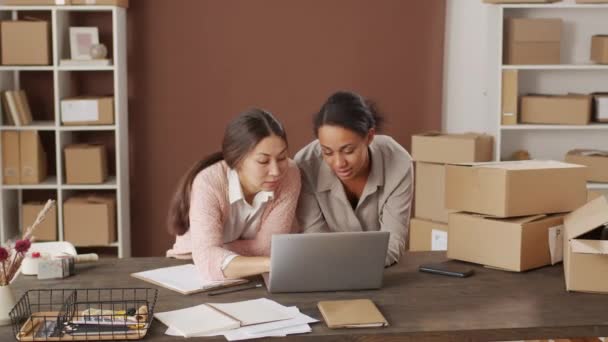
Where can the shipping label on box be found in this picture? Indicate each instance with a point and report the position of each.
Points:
(87, 111)
(427, 235)
(586, 247)
(516, 188)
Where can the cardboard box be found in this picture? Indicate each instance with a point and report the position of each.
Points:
(515, 244)
(119, 3)
(33, 159)
(596, 162)
(599, 49)
(558, 109)
(600, 107)
(36, 2)
(25, 42)
(430, 192)
(90, 220)
(427, 235)
(11, 173)
(85, 164)
(87, 110)
(435, 147)
(519, 1)
(585, 255)
(509, 97)
(515, 188)
(532, 41)
(591, 195)
(47, 230)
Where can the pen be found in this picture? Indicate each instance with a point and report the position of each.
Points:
(234, 289)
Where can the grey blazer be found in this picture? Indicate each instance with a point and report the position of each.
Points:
(384, 205)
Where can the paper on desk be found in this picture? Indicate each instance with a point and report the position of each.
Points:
(296, 325)
(556, 244)
(255, 311)
(197, 320)
(274, 328)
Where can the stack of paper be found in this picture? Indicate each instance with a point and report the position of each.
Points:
(236, 321)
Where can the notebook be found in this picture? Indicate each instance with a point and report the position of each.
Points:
(184, 279)
(210, 318)
(355, 313)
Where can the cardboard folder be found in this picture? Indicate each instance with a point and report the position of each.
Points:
(356, 313)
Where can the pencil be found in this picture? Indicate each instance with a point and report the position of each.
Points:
(234, 289)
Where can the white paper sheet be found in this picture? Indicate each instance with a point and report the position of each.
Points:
(556, 244)
(254, 311)
(196, 320)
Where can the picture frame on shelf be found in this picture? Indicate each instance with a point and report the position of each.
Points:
(81, 40)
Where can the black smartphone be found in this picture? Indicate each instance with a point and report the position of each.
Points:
(448, 269)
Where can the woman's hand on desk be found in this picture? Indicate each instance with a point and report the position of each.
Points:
(241, 267)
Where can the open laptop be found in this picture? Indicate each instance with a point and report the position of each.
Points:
(327, 261)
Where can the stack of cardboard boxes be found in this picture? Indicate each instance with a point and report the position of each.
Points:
(431, 152)
(510, 213)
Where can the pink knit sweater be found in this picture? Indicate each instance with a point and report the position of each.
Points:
(209, 207)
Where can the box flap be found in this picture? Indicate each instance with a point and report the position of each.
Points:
(588, 153)
(586, 218)
(522, 164)
(589, 246)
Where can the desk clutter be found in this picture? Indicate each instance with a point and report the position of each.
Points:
(511, 215)
(236, 321)
(83, 314)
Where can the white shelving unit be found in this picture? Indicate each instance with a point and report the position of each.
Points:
(576, 74)
(64, 85)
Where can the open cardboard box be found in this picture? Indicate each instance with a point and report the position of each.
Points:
(585, 254)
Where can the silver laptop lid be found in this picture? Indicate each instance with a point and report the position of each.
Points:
(327, 261)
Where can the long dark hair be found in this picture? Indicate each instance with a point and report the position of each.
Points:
(348, 110)
(242, 134)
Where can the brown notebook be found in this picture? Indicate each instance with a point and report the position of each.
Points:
(355, 313)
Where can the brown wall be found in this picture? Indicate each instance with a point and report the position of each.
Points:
(194, 64)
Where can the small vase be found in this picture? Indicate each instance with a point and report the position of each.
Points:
(7, 302)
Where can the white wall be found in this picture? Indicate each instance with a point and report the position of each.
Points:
(465, 76)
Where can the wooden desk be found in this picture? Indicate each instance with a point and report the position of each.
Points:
(491, 305)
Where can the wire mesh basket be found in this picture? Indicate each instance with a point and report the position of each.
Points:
(84, 314)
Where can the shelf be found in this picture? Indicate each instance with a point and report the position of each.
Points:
(587, 67)
(91, 8)
(35, 125)
(597, 186)
(49, 183)
(88, 128)
(86, 68)
(26, 68)
(109, 184)
(523, 127)
(557, 5)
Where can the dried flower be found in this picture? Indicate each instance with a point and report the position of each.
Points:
(36, 255)
(3, 254)
(22, 246)
(11, 257)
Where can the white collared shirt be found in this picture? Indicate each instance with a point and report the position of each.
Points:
(243, 218)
